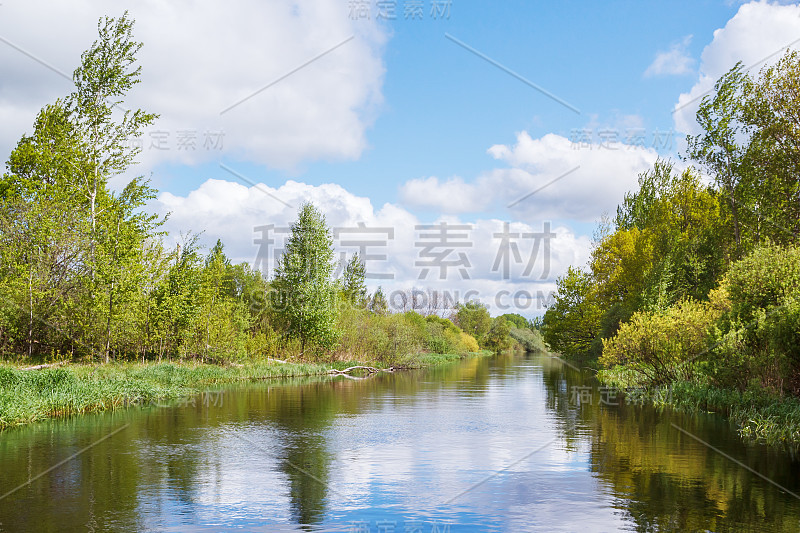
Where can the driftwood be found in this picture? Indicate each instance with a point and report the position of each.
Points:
(50, 365)
(369, 369)
(354, 378)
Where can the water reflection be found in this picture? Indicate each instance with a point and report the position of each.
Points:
(486, 444)
(664, 480)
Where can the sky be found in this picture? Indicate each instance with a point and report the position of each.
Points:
(463, 146)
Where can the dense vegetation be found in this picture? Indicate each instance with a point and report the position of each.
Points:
(696, 283)
(85, 274)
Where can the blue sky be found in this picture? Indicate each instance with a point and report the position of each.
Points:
(444, 107)
(397, 125)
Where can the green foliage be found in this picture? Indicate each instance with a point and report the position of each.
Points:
(76, 244)
(474, 319)
(767, 278)
(572, 323)
(354, 285)
(517, 321)
(758, 340)
(528, 340)
(85, 274)
(378, 303)
(304, 281)
(667, 245)
(399, 338)
(663, 346)
(498, 338)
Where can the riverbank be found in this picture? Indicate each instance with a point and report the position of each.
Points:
(31, 395)
(759, 415)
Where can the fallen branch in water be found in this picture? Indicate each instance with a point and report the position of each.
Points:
(369, 369)
(50, 365)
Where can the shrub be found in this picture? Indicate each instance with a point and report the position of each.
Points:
(663, 345)
(758, 339)
(528, 340)
(768, 277)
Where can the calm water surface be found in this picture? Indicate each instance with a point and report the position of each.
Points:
(489, 444)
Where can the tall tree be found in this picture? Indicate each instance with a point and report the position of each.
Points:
(723, 144)
(120, 252)
(108, 71)
(42, 253)
(304, 281)
(354, 285)
(773, 113)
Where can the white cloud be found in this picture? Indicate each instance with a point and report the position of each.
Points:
(230, 211)
(674, 62)
(758, 34)
(198, 60)
(532, 188)
(454, 194)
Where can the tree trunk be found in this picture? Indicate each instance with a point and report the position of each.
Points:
(111, 295)
(30, 320)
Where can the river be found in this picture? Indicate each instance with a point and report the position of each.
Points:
(487, 444)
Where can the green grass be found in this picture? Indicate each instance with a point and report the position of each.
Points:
(30, 395)
(433, 359)
(759, 414)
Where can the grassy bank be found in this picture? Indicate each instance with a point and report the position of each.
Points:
(31, 395)
(760, 415)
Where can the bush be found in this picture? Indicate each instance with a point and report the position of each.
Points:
(466, 343)
(758, 339)
(767, 278)
(663, 346)
(528, 339)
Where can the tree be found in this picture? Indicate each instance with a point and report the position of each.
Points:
(304, 281)
(667, 244)
(106, 74)
(498, 337)
(722, 146)
(773, 114)
(572, 323)
(378, 303)
(473, 318)
(354, 286)
(663, 346)
(119, 253)
(175, 299)
(42, 253)
(517, 321)
(83, 244)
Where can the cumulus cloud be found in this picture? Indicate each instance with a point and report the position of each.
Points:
(449, 196)
(509, 265)
(757, 35)
(673, 62)
(548, 177)
(199, 60)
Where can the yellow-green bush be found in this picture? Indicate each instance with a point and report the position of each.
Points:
(664, 346)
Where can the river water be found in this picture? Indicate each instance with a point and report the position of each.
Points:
(487, 444)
